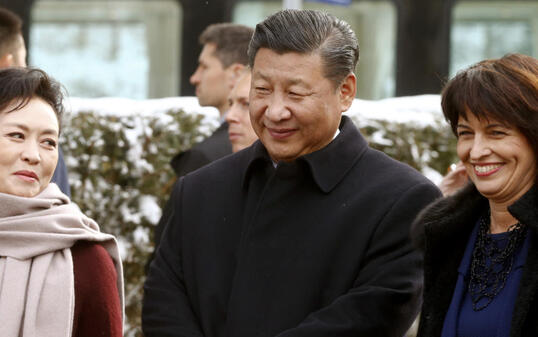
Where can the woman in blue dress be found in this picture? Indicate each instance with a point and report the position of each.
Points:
(480, 244)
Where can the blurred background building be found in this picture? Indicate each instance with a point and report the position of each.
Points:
(148, 49)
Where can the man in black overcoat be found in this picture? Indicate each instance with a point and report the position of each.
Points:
(304, 233)
(222, 61)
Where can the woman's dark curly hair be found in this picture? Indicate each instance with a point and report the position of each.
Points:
(19, 85)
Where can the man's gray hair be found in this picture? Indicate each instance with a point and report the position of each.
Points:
(308, 31)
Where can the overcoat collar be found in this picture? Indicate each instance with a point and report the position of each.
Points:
(526, 208)
(448, 216)
(328, 165)
(446, 221)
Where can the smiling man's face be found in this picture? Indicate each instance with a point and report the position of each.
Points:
(294, 109)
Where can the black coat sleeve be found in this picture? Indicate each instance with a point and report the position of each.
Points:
(166, 309)
(167, 212)
(188, 161)
(386, 296)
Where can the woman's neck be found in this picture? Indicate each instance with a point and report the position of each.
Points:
(500, 219)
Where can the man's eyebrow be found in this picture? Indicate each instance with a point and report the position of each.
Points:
(293, 81)
(261, 75)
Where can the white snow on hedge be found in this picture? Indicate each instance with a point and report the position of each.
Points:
(422, 109)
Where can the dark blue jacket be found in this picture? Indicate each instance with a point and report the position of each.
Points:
(60, 175)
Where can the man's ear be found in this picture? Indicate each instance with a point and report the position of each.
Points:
(234, 71)
(347, 91)
(6, 61)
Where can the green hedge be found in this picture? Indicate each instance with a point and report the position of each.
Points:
(117, 166)
(425, 148)
(120, 174)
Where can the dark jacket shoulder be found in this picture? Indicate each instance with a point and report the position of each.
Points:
(448, 216)
(216, 146)
(60, 176)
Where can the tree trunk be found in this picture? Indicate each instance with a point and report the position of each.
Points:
(423, 45)
(197, 15)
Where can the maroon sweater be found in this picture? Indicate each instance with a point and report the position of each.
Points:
(97, 304)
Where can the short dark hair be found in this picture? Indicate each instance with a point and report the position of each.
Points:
(231, 41)
(10, 30)
(308, 31)
(20, 85)
(504, 89)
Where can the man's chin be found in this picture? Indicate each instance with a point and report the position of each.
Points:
(203, 101)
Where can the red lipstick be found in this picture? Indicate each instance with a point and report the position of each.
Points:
(27, 175)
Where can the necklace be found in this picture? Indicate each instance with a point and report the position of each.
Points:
(491, 264)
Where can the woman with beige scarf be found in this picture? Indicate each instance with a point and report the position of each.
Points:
(59, 275)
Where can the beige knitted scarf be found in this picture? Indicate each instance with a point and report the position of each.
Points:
(37, 290)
